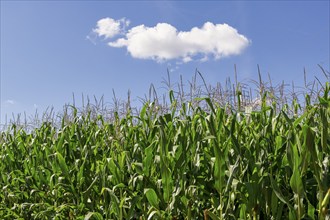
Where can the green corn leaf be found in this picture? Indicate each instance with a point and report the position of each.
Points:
(207, 214)
(154, 213)
(274, 203)
(279, 194)
(147, 161)
(91, 185)
(326, 199)
(296, 183)
(132, 208)
(219, 171)
(152, 197)
(311, 211)
(95, 215)
(167, 182)
(63, 165)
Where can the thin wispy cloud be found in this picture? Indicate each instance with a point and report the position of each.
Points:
(164, 42)
(10, 102)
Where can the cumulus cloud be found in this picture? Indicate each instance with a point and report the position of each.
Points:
(108, 27)
(164, 42)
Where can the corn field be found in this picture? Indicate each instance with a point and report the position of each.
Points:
(192, 161)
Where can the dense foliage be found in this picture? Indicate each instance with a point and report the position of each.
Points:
(190, 163)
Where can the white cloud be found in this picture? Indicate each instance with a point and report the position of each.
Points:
(10, 102)
(109, 27)
(164, 42)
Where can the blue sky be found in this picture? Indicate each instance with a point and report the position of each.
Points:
(52, 49)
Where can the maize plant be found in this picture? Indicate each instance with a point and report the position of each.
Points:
(189, 162)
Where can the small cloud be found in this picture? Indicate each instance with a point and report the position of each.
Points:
(108, 27)
(10, 102)
(172, 68)
(204, 59)
(186, 59)
(164, 42)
